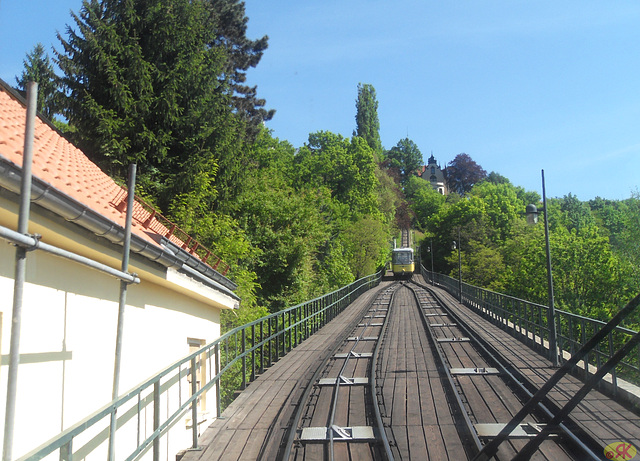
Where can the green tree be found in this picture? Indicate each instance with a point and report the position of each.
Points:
(145, 85)
(367, 123)
(346, 167)
(294, 226)
(576, 214)
(406, 158)
(425, 201)
(229, 22)
(38, 68)
(503, 208)
(366, 244)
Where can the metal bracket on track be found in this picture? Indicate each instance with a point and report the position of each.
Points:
(346, 434)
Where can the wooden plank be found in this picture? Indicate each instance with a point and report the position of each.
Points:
(361, 451)
(413, 416)
(436, 445)
(399, 407)
(357, 407)
(417, 442)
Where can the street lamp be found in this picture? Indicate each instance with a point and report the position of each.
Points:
(431, 251)
(457, 245)
(532, 218)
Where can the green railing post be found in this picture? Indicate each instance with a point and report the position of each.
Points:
(253, 352)
(216, 362)
(156, 419)
(194, 403)
(244, 359)
(261, 347)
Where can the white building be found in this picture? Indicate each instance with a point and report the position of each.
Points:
(434, 174)
(69, 313)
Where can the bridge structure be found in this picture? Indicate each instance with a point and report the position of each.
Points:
(429, 368)
(448, 382)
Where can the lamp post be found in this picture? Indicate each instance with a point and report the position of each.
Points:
(532, 218)
(433, 282)
(456, 245)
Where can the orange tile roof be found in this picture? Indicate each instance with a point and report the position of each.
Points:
(59, 163)
(67, 169)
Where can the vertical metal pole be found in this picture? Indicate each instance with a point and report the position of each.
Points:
(244, 358)
(551, 313)
(194, 403)
(614, 378)
(156, 419)
(431, 252)
(217, 372)
(121, 304)
(21, 265)
(261, 370)
(253, 353)
(459, 267)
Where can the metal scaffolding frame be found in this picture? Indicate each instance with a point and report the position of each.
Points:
(25, 243)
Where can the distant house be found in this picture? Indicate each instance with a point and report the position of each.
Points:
(69, 312)
(434, 174)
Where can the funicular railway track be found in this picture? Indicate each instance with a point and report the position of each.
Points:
(412, 381)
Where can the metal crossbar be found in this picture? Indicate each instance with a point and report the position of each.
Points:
(491, 448)
(527, 321)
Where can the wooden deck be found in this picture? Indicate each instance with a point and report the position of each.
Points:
(415, 403)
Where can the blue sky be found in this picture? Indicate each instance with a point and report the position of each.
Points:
(519, 86)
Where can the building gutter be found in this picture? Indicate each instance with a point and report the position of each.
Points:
(165, 253)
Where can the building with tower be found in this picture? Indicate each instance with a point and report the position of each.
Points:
(434, 174)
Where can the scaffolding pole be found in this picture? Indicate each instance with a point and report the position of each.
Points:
(121, 305)
(21, 264)
(25, 243)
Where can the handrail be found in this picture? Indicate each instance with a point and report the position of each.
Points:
(527, 321)
(239, 355)
(149, 217)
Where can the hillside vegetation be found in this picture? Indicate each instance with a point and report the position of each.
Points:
(594, 245)
(162, 83)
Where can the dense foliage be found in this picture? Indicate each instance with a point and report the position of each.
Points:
(595, 265)
(38, 68)
(163, 83)
(367, 123)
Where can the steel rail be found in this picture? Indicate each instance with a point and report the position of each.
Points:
(286, 449)
(518, 380)
(471, 432)
(336, 391)
(372, 383)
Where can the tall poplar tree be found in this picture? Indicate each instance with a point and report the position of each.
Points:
(367, 123)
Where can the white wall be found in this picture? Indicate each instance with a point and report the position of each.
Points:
(68, 342)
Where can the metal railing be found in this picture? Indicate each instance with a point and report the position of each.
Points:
(148, 411)
(527, 321)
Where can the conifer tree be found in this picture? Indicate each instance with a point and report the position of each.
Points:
(144, 85)
(229, 22)
(38, 68)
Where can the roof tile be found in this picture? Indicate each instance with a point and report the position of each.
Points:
(67, 169)
(60, 164)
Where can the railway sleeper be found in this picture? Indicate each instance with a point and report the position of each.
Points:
(474, 371)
